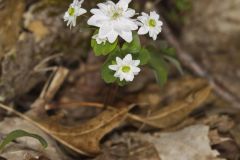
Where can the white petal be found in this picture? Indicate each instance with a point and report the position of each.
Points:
(145, 14)
(136, 70)
(128, 58)
(124, 4)
(129, 77)
(81, 2)
(143, 30)
(102, 6)
(129, 13)
(112, 36)
(154, 15)
(113, 67)
(93, 21)
(136, 62)
(119, 61)
(104, 30)
(151, 33)
(159, 23)
(66, 16)
(80, 11)
(127, 36)
(97, 12)
(121, 78)
(74, 21)
(154, 37)
(142, 19)
(117, 74)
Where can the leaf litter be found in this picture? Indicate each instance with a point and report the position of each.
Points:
(190, 143)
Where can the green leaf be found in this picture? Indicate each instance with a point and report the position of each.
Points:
(175, 62)
(107, 74)
(158, 64)
(103, 49)
(134, 46)
(18, 134)
(168, 51)
(144, 56)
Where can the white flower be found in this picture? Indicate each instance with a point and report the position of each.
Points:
(150, 23)
(114, 20)
(126, 68)
(73, 12)
(99, 40)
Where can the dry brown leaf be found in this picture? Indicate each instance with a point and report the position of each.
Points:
(177, 111)
(85, 138)
(174, 89)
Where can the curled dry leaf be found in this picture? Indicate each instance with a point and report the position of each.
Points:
(84, 139)
(177, 111)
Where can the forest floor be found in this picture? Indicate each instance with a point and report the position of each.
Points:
(51, 85)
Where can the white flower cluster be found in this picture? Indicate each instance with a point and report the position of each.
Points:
(113, 20)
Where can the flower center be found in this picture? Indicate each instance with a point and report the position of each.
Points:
(116, 13)
(71, 11)
(152, 23)
(126, 69)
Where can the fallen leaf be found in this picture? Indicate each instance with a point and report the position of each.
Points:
(177, 111)
(174, 89)
(191, 143)
(85, 138)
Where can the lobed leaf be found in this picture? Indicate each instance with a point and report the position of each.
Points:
(134, 46)
(103, 49)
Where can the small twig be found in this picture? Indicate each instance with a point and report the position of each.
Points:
(56, 83)
(69, 105)
(49, 90)
(189, 62)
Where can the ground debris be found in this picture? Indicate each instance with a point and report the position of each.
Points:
(187, 144)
